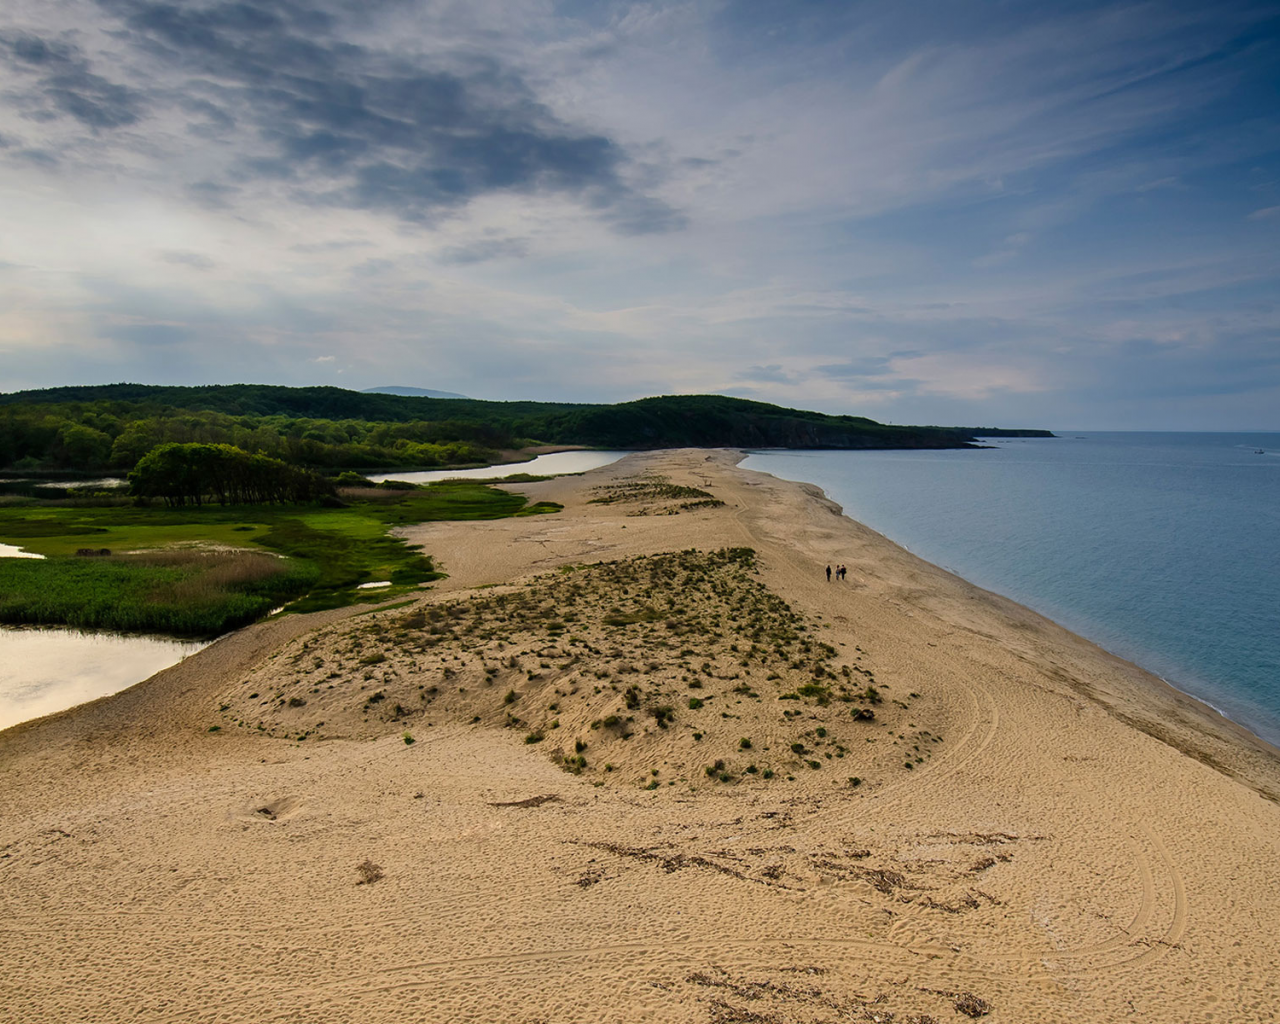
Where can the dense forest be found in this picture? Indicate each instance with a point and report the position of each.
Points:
(111, 427)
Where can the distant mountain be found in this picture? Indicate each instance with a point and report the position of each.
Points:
(393, 389)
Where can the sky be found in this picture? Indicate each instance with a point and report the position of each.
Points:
(1004, 213)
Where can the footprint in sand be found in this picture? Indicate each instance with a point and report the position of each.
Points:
(274, 809)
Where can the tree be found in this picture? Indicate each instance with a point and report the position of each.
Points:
(184, 474)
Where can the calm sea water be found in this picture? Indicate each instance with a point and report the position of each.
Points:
(1163, 548)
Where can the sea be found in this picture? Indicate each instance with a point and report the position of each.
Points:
(1163, 548)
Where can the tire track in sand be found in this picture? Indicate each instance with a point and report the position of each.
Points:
(634, 958)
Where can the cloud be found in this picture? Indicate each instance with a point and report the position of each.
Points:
(213, 194)
(855, 369)
(293, 94)
(772, 374)
(151, 336)
(1166, 182)
(486, 249)
(195, 260)
(61, 83)
(1010, 250)
(947, 212)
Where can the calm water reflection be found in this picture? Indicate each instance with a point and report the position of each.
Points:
(555, 464)
(48, 670)
(10, 551)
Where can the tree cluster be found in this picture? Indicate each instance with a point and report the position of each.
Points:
(112, 436)
(193, 474)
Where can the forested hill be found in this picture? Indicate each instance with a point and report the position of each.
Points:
(114, 425)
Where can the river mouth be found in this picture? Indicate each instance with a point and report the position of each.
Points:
(552, 464)
(44, 670)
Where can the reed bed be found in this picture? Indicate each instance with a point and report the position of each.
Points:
(182, 593)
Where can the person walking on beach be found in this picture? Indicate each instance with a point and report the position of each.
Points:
(828, 574)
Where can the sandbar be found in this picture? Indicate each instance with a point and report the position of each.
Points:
(640, 761)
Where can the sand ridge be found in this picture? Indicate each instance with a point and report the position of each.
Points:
(1055, 856)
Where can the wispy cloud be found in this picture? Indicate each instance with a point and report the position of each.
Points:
(936, 211)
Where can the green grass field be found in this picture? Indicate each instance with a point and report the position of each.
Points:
(202, 571)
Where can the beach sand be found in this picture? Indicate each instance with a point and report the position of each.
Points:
(1073, 840)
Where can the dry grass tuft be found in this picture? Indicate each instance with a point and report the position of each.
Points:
(368, 871)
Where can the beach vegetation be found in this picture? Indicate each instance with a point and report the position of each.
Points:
(369, 872)
(456, 650)
(971, 1005)
(816, 692)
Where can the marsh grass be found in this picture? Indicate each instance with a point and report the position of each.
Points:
(180, 593)
(223, 578)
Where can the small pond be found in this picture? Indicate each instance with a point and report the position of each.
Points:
(33, 487)
(48, 670)
(11, 551)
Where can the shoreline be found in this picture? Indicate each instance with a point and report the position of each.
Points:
(1240, 730)
(1162, 691)
(1038, 830)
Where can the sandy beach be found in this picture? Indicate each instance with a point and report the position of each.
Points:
(617, 768)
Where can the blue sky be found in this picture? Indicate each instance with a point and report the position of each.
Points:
(1005, 213)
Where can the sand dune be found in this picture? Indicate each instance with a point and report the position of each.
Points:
(629, 796)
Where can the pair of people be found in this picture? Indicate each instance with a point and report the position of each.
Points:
(841, 572)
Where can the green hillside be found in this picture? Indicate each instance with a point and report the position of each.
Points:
(110, 427)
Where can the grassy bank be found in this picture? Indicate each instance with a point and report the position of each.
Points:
(202, 571)
(181, 593)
